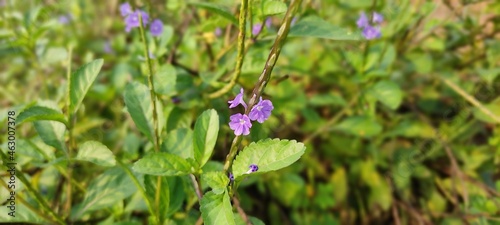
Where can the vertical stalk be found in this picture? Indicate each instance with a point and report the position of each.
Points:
(155, 115)
(71, 141)
(241, 51)
(266, 74)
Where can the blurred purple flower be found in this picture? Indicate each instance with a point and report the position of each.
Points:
(151, 56)
(362, 20)
(294, 20)
(240, 124)
(145, 17)
(125, 9)
(256, 29)
(156, 28)
(231, 177)
(237, 100)
(131, 21)
(370, 32)
(176, 100)
(107, 47)
(218, 32)
(64, 19)
(268, 22)
(252, 169)
(261, 111)
(377, 18)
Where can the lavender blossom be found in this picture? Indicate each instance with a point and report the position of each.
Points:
(268, 22)
(125, 9)
(231, 177)
(156, 28)
(218, 32)
(294, 21)
(64, 19)
(252, 169)
(256, 29)
(261, 111)
(238, 100)
(377, 18)
(370, 32)
(362, 21)
(240, 124)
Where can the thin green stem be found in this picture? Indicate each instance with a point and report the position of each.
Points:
(33, 192)
(155, 114)
(71, 140)
(241, 52)
(141, 190)
(265, 76)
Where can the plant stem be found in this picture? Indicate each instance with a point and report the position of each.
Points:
(71, 140)
(241, 52)
(265, 75)
(155, 114)
(33, 192)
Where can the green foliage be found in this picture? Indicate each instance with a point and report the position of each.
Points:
(216, 209)
(163, 164)
(268, 155)
(80, 82)
(205, 133)
(40, 113)
(96, 152)
(318, 28)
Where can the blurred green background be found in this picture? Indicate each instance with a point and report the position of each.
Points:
(399, 130)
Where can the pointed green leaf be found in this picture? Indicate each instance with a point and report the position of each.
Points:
(388, 93)
(165, 80)
(217, 9)
(268, 155)
(362, 126)
(179, 142)
(273, 8)
(163, 164)
(206, 129)
(139, 105)
(218, 181)
(52, 133)
(150, 184)
(216, 209)
(80, 83)
(96, 152)
(35, 113)
(104, 191)
(317, 27)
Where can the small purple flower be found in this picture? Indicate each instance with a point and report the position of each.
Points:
(218, 32)
(268, 22)
(362, 21)
(294, 21)
(145, 17)
(125, 9)
(64, 19)
(176, 100)
(256, 29)
(252, 169)
(261, 111)
(370, 32)
(238, 100)
(156, 28)
(107, 47)
(240, 124)
(131, 21)
(377, 18)
(231, 177)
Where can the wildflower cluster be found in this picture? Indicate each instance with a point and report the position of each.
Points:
(241, 123)
(132, 20)
(370, 30)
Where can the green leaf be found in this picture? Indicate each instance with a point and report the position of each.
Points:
(206, 129)
(52, 133)
(179, 142)
(362, 126)
(80, 83)
(35, 113)
(216, 209)
(139, 105)
(268, 155)
(388, 93)
(239, 221)
(96, 152)
(319, 28)
(217, 9)
(165, 80)
(218, 181)
(494, 108)
(104, 191)
(273, 8)
(163, 164)
(150, 184)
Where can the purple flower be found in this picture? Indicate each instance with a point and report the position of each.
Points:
(252, 169)
(145, 17)
(125, 9)
(176, 100)
(240, 124)
(107, 47)
(238, 100)
(131, 21)
(294, 20)
(370, 32)
(256, 29)
(362, 21)
(377, 18)
(268, 22)
(261, 111)
(218, 32)
(156, 28)
(231, 177)
(64, 19)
